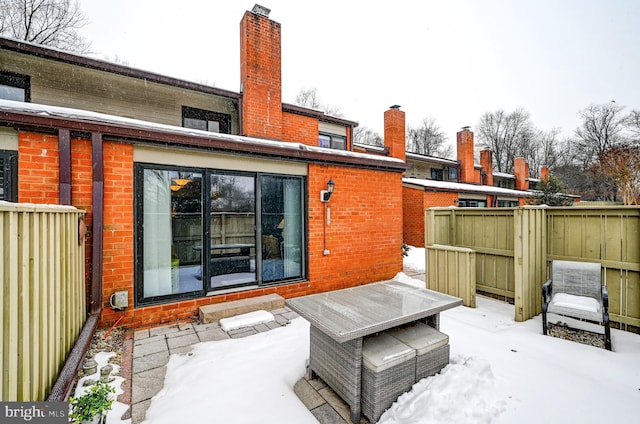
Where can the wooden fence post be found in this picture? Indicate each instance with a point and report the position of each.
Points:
(530, 258)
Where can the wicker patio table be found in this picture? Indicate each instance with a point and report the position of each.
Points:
(340, 320)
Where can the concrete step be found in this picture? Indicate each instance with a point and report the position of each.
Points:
(212, 313)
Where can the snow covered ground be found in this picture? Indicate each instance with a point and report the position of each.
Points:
(501, 371)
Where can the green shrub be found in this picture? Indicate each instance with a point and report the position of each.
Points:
(94, 402)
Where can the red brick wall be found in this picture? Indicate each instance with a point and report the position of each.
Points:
(118, 226)
(413, 216)
(299, 129)
(414, 202)
(38, 169)
(364, 236)
(261, 77)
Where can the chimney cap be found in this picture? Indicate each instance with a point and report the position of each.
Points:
(394, 107)
(260, 10)
(466, 127)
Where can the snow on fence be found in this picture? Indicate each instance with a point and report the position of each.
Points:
(42, 295)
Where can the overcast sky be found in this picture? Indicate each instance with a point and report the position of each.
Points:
(452, 59)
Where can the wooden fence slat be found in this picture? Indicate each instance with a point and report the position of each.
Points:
(42, 297)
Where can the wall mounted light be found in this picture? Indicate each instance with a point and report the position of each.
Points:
(325, 195)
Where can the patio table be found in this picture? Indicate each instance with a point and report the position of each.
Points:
(341, 319)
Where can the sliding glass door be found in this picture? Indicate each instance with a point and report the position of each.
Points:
(233, 230)
(282, 228)
(201, 231)
(172, 232)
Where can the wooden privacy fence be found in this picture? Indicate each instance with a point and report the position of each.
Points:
(514, 249)
(42, 296)
(452, 270)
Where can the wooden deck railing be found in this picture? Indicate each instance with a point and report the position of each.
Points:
(42, 296)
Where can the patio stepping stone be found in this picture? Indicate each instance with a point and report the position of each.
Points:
(211, 313)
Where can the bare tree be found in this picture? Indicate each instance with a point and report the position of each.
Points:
(633, 125)
(308, 97)
(621, 163)
(602, 128)
(507, 135)
(428, 139)
(365, 135)
(543, 151)
(54, 23)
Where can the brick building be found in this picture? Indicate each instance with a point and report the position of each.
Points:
(439, 182)
(197, 195)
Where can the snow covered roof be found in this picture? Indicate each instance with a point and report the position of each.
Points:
(466, 188)
(504, 175)
(425, 158)
(84, 116)
(370, 147)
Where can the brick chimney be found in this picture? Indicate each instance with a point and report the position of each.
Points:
(486, 161)
(394, 132)
(260, 74)
(521, 172)
(544, 173)
(465, 155)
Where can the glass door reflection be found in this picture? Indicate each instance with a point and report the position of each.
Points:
(233, 239)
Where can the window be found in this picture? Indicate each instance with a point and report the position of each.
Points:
(453, 173)
(437, 174)
(9, 175)
(507, 203)
(204, 230)
(206, 120)
(332, 141)
(14, 87)
(467, 203)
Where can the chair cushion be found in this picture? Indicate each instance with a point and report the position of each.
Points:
(578, 306)
(420, 336)
(382, 351)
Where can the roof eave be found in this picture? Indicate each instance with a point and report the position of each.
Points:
(134, 134)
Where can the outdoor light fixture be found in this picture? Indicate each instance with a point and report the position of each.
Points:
(325, 195)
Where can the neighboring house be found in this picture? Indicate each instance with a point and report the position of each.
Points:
(475, 186)
(439, 182)
(197, 195)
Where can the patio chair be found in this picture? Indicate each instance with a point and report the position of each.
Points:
(388, 370)
(575, 290)
(432, 347)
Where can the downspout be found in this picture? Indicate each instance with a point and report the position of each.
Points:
(61, 390)
(95, 306)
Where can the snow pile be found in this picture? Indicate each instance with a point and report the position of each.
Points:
(463, 392)
(246, 320)
(247, 380)
(415, 259)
